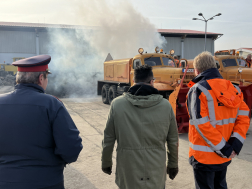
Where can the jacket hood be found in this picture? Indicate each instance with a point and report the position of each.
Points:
(143, 96)
(226, 93)
(224, 90)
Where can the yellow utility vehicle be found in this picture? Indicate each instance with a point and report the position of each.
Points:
(118, 74)
(241, 61)
(232, 68)
(226, 52)
(8, 69)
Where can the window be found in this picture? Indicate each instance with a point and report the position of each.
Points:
(229, 62)
(183, 64)
(168, 62)
(137, 62)
(153, 61)
(241, 62)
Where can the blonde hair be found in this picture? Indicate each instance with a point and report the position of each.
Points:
(204, 61)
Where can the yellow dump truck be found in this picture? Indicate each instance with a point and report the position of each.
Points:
(118, 74)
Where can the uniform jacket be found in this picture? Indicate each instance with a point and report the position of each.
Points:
(218, 118)
(141, 121)
(37, 138)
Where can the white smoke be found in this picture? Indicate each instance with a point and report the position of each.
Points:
(109, 27)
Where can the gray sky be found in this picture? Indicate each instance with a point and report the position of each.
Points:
(235, 22)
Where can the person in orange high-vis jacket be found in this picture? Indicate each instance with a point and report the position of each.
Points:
(248, 60)
(177, 64)
(219, 121)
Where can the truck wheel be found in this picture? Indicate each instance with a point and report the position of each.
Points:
(112, 93)
(104, 93)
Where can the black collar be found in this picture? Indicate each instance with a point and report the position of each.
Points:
(142, 90)
(211, 73)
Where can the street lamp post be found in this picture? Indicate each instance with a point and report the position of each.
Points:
(200, 14)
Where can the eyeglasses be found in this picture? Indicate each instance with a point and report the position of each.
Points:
(152, 80)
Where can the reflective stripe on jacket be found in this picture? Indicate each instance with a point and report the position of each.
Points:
(218, 118)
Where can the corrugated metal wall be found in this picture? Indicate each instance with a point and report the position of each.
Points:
(17, 42)
(44, 43)
(173, 43)
(194, 46)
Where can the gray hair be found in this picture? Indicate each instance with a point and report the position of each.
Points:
(204, 61)
(29, 77)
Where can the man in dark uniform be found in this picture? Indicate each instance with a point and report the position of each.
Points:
(37, 135)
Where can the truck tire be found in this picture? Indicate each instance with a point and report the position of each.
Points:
(104, 93)
(112, 93)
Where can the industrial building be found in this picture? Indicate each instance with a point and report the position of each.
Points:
(188, 43)
(22, 40)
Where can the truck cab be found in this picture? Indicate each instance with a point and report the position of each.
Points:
(233, 68)
(164, 68)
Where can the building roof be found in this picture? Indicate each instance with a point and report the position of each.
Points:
(170, 32)
(186, 32)
(249, 49)
(42, 25)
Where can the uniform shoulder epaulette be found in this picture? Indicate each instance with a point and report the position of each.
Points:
(57, 98)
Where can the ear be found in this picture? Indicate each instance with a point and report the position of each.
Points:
(41, 77)
(152, 83)
(196, 72)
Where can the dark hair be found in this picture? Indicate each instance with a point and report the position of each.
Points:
(143, 74)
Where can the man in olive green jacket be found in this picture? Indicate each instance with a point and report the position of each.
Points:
(141, 121)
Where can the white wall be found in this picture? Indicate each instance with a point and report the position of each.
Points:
(17, 42)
